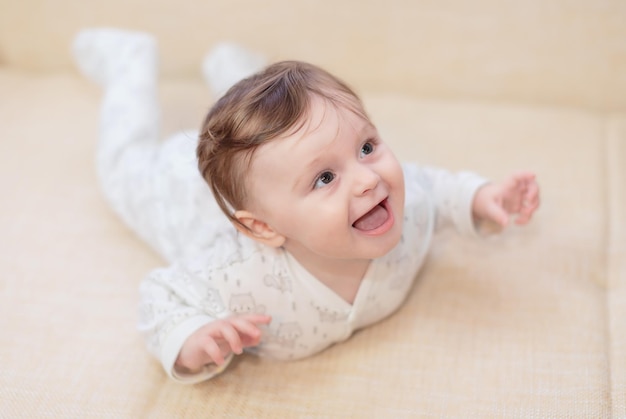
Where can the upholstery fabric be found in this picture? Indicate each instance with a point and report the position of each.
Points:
(526, 324)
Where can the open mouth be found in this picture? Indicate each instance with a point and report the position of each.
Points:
(376, 220)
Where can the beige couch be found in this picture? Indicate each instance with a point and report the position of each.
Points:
(528, 324)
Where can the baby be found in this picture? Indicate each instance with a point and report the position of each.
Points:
(325, 231)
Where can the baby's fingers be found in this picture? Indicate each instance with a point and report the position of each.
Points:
(230, 334)
(529, 204)
(213, 350)
(524, 177)
(531, 197)
(257, 318)
(247, 326)
(253, 319)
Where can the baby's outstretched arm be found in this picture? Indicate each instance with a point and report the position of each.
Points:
(213, 342)
(517, 195)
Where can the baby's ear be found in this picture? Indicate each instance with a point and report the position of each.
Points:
(258, 230)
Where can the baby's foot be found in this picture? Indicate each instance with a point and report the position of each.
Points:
(227, 64)
(106, 55)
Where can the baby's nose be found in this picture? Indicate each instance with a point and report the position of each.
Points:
(365, 180)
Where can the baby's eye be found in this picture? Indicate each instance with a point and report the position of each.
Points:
(367, 148)
(324, 179)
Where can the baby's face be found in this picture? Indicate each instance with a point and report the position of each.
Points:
(333, 189)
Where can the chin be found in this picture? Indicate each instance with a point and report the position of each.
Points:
(388, 245)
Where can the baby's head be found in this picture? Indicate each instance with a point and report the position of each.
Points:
(286, 138)
(255, 111)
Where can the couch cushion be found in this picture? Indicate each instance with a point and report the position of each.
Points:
(515, 325)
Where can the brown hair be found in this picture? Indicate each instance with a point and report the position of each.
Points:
(256, 110)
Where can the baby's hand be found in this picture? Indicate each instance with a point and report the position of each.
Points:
(214, 341)
(518, 194)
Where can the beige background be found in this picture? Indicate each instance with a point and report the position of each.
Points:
(559, 52)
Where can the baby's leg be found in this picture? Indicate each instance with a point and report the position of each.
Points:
(125, 64)
(154, 186)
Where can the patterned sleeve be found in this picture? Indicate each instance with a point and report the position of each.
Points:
(175, 302)
(452, 195)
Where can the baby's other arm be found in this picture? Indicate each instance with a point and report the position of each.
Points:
(465, 200)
